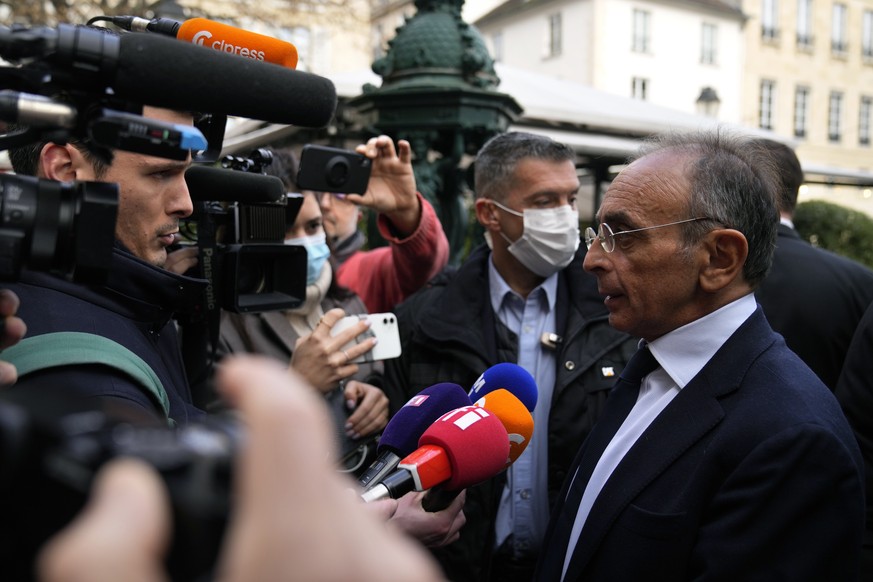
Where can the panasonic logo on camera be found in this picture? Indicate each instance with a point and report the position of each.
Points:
(204, 38)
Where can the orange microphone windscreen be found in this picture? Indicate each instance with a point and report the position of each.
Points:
(229, 39)
(514, 415)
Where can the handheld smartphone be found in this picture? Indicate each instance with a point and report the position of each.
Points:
(383, 326)
(327, 169)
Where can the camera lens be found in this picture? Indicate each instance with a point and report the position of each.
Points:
(337, 171)
(252, 276)
(66, 229)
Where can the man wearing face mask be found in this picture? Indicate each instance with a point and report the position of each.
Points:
(521, 298)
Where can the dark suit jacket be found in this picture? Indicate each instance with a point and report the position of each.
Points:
(750, 473)
(855, 394)
(815, 299)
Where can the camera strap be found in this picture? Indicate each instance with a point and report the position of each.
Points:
(70, 348)
(201, 328)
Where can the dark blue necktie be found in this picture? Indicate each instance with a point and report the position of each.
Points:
(621, 400)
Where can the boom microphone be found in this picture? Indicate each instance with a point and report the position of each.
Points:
(159, 71)
(234, 40)
(463, 447)
(206, 183)
(218, 36)
(162, 72)
(401, 434)
(510, 376)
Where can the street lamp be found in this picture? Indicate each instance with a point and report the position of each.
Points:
(708, 102)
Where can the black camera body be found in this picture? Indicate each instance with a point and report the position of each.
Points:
(329, 169)
(53, 445)
(64, 229)
(240, 219)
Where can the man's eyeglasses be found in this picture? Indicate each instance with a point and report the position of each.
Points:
(607, 236)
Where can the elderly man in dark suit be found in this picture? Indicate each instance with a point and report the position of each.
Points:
(730, 460)
(813, 297)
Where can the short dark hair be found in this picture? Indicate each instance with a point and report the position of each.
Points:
(789, 171)
(495, 164)
(25, 159)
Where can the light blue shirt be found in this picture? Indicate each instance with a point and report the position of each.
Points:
(681, 354)
(524, 503)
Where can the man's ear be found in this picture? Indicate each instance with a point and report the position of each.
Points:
(63, 163)
(725, 251)
(485, 215)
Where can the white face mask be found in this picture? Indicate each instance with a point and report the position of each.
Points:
(549, 240)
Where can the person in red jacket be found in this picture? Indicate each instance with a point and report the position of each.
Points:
(418, 248)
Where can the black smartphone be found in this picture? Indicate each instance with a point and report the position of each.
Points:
(328, 169)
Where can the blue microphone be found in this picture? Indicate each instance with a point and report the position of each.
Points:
(510, 377)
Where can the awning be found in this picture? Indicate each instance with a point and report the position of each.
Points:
(820, 174)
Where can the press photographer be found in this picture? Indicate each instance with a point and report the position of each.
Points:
(114, 346)
(86, 83)
(117, 340)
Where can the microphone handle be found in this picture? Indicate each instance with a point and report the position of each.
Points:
(396, 485)
(383, 466)
(376, 493)
(437, 499)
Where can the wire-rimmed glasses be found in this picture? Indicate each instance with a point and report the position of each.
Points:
(606, 235)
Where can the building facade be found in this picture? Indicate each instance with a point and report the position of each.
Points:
(684, 55)
(809, 76)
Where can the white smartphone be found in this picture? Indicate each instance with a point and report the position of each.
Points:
(383, 326)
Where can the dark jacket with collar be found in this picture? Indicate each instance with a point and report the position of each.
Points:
(815, 299)
(450, 333)
(134, 308)
(750, 473)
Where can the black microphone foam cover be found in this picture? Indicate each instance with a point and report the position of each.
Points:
(207, 183)
(165, 72)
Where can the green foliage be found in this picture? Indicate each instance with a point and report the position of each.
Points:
(836, 228)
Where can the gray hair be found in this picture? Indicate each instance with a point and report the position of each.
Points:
(733, 182)
(496, 161)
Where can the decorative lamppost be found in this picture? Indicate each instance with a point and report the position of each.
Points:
(438, 92)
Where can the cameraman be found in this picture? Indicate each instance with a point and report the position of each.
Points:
(125, 347)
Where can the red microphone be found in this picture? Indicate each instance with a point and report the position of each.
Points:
(463, 447)
(519, 425)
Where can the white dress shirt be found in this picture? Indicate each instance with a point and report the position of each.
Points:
(682, 353)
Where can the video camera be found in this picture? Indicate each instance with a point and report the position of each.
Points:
(239, 224)
(69, 229)
(64, 229)
(52, 444)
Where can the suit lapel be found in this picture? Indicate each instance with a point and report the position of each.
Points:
(693, 413)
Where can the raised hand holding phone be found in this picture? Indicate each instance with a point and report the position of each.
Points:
(382, 327)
